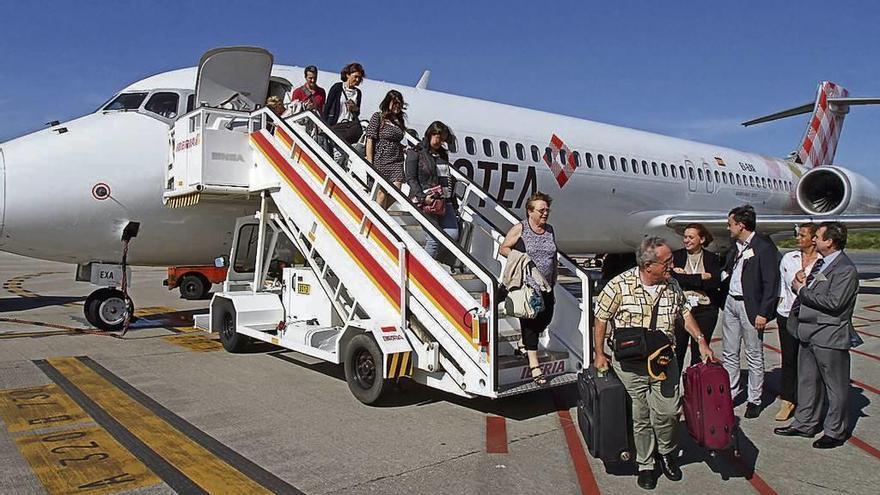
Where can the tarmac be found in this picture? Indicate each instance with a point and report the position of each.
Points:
(166, 410)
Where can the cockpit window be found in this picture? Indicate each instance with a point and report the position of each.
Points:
(126, 101)
(164, 104)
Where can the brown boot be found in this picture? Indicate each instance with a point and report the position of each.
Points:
(786, 409)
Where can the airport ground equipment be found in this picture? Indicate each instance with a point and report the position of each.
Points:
(323, 270)
(194, 281)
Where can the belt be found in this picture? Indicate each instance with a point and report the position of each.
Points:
(736, 298)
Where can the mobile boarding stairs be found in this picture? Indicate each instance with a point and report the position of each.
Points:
(360, 289)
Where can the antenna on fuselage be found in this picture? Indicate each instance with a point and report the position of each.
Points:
(423, 81)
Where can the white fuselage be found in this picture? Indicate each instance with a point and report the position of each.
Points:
(48, 209)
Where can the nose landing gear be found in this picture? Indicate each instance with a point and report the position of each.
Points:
(105, 309)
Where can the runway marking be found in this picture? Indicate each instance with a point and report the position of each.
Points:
(34, 408)
(751, 475)
(496, 435)
(865, 386)
(185, 454)
(15, 286)
(153, 310)
(84, 460)
(858, 442)
(67, 330)
(863, 353)
(586, 479)
(194, 342)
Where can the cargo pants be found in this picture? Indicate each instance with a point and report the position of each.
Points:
(655, 406)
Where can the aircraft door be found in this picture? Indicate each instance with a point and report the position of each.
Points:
(710, 183)
(691, 175)
(235, 78)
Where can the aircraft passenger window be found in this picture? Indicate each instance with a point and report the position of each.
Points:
(470, 146)
(623, 165)
(674, 171)
(681, 171)
(601, 162)
(577, 158)
(700, 173)
(588, 159)
(126, 101)
(190, 102)
(520, 152)
(612, 163)
(505, 150)
(654, 167)
(717, 177)
(752, 180)
(635, 166)
(644, 167)
(562, 157)
(691, 172)
(663, 169)
(724, 177)
(452, 144)
(487, 147)
(164, 104)
(709, 175)
(535, 156)
(764, 182)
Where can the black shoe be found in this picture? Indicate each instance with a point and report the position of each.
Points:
(647, 480)
(827, 442)
(791, 431)
(669, 466)
(752, 410)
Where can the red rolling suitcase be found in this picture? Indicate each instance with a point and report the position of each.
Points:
(708, 406)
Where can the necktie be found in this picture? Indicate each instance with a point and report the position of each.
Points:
(796, 305)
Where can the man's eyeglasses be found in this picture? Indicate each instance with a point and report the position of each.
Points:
(666, 264)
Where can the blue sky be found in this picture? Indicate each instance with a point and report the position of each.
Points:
(688, 69)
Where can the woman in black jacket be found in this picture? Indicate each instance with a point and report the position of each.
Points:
(698, 271)
(427, 174)
(343, 103)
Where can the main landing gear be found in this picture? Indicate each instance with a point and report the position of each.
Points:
(105, 309)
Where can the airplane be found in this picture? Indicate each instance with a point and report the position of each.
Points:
(68, 192)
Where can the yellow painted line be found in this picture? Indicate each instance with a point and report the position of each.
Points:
(194, 342)
(153, 310)
(84, 460)
(194, 461)
(33, 408)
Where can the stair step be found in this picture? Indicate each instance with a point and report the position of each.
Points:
(544, 356)
(529, 386)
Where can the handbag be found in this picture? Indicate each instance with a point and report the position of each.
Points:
(436, 206)
(524, 302)
(349, 131)
(638, 343)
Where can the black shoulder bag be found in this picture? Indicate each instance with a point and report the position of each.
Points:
(637, 343)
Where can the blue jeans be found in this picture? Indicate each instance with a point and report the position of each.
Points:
(448, 223)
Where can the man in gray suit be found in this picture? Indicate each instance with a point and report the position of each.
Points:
(821, 320)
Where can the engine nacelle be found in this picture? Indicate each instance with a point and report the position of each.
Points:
(832, 190)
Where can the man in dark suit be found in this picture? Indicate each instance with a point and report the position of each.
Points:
(821, 319)
(751, 277)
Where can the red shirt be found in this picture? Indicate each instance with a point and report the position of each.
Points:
(317, 97)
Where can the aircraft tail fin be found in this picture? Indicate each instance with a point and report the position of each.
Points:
(820, 140)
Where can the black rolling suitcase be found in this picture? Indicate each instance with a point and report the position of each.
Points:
(605, 418)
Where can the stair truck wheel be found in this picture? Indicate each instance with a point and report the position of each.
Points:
(232, 340)
(105, 309)
(363, 369)
(193, 287)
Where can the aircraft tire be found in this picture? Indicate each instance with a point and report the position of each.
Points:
(193, 287)
(363, 369)
(105, 309)
(232, 341)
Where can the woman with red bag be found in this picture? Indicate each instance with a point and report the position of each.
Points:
(430, 183)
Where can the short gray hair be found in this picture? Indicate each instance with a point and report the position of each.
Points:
(647, 252)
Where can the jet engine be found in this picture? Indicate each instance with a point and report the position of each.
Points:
(832, 190)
